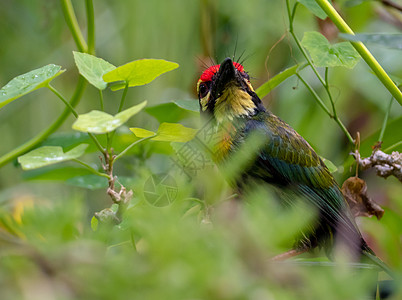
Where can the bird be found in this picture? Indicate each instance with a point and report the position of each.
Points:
(284, 160)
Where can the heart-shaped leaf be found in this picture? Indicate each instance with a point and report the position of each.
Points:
(100, 122)
(92, 68)
(167, 132)
(139, 72)
(28, 82)
(324, 54)
(49, 155)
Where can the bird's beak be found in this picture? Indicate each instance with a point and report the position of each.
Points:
(225, 75)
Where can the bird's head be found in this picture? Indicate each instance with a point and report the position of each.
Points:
(225, 92)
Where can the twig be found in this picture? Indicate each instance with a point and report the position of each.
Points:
(392, 4)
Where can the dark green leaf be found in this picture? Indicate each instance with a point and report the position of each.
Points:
(389, 40)
(49, 155)
(92, 68)
(101, 122)
(191, 105)
(55, 172)
(324, 54)
(139, 72)
(169, 112)
(28, 82)
(90, 181)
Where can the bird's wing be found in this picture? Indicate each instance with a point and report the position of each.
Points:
(286, 159)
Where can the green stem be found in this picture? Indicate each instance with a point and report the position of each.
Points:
(40, 137)
(131, 146)
(101, 100)
(92, 170)
(384, 123)
(90, 26)
(72, 23)
(91, 135)
(315, 95)
(123, 98)
(363, 51)
(63, 99)
(291, 14)
(393, 146)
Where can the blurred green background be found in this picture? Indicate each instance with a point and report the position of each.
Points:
(195, 33)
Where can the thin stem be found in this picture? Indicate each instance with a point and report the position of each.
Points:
(91, 135)
(393, 146)
(315, 95)
(131, 146)
(384, 123)
(92, 170)
(324, 83)
(90, 26)
(363, 51)
(72, 23)
(63, 99)
(123, 98)
(101, 100)
(81, 84)
(97, 144)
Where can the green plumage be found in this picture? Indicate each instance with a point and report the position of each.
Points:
(284, 160)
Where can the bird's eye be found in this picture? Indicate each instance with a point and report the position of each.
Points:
(203, 89)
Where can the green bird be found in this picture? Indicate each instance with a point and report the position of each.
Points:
(285, 159)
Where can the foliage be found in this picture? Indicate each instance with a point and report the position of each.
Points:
(136, 223)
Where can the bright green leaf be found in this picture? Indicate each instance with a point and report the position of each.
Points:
(313, 7)
(101, 122)
(268, 86)
(330, 165)
(167, 132)
(142, 133)
(28, 82)
(324, 54)
(139, 72)
(92, 68)
(49, 155)
(94, 223)
(389, 40)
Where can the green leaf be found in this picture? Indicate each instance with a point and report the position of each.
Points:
(55, 173)
(268, 86)
(92, 68)
(49, 155)
(167, 132)
(330, 165)
(389, 40)
(139, 72)
(142, 133)
(28, 82)
(314, 8)
(94, 223)
(190, 105)
(90, 181)
(324, 54)
(170, 112)
(101, 122)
